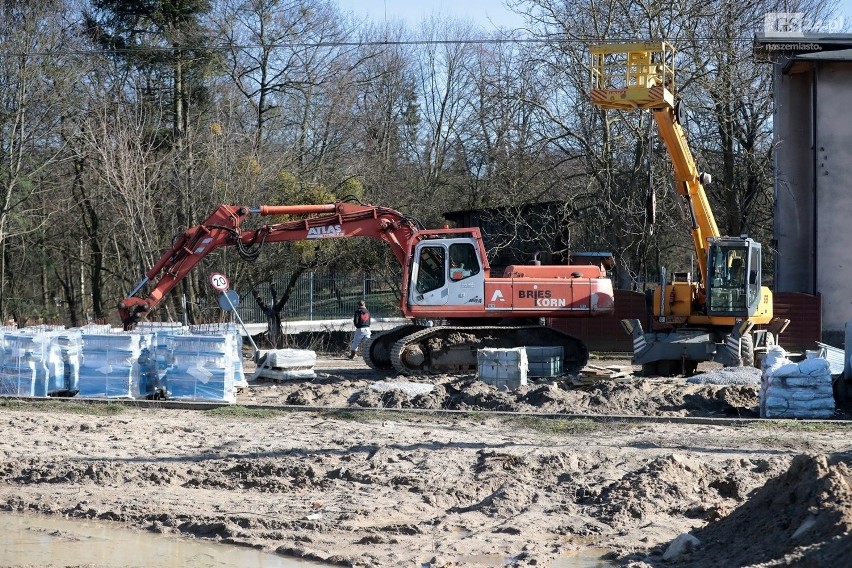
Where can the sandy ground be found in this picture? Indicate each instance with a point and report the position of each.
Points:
(439, 488)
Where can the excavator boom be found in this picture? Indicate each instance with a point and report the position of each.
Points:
(223, 228)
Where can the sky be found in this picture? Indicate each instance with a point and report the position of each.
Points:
(845, 9)
(489, 14)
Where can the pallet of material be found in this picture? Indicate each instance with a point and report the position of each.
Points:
(286, 365)
(615, 371)
(278, 374)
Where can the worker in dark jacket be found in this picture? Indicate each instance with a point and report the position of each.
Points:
(362, 327)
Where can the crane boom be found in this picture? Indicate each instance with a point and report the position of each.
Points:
(688, 184)
(639, 75)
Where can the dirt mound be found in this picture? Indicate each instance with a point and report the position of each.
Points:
(654, 487)
(652, 397)
(802, 517)
(426, 489)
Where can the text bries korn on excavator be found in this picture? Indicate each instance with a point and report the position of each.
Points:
(714, 318)
(445, 277)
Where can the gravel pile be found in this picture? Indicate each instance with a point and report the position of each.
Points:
(411, 389)
(728, 376)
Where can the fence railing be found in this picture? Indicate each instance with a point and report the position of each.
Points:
(322, 296)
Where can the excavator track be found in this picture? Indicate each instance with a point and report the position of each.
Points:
(452, 349)
(377, 350)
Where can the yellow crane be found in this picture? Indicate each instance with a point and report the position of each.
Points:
(714, 317)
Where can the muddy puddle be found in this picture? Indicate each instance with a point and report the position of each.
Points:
(33, 540)
(591, 558)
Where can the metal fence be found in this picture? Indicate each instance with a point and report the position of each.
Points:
(323, 296)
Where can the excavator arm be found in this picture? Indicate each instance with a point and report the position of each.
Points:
(223, 228)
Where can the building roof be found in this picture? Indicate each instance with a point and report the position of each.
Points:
(775, 45)
(802, 62)
(763, 37)
(838, 55)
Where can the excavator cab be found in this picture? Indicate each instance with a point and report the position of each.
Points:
(733, 280)
(447, 271)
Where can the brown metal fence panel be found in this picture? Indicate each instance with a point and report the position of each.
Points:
(805, 314)
(606, 334)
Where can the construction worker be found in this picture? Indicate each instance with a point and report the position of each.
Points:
(362, 327)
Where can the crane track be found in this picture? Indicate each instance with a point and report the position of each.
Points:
(453, 349)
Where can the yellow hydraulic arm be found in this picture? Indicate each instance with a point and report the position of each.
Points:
(640, 75)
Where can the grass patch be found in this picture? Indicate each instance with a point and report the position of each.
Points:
(571, 426)
(63, 405)
(771, 425)
(364, 415)
(239, 412)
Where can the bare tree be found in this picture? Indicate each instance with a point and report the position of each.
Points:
(131, 167)
(292, 64)
(386, 118)
(32, 82)
(445, 84)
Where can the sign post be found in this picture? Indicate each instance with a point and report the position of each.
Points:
(228, 301)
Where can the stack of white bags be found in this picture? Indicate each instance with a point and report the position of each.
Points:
(795, 390)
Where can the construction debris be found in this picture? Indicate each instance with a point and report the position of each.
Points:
(591, 374)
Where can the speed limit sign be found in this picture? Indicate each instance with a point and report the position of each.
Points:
(219, 281)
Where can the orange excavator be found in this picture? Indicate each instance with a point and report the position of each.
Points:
(446, 278)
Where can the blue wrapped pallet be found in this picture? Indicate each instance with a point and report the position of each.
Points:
(202, 368)
(63, 362)
(24, 371)
(39, 361)
(156, 361)
(111, 367)
(228, 328)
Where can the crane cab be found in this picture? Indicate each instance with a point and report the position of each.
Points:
(733, 277)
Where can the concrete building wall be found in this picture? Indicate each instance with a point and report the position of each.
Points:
(813, 188)
(794, 196)
(833, 193)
